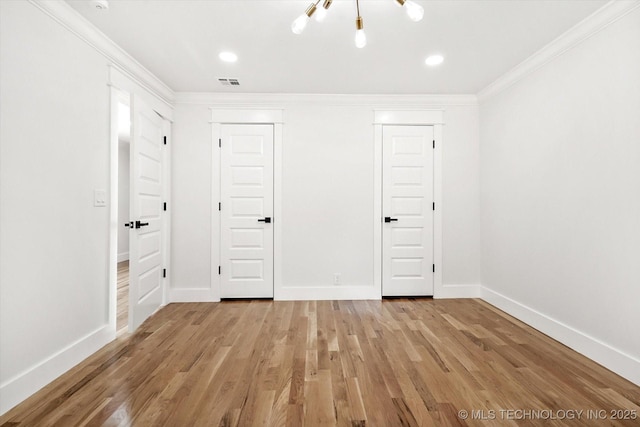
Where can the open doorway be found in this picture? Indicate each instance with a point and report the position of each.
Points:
(139, 221)
(123, 188)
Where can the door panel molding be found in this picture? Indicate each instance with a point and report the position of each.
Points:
(425, 117)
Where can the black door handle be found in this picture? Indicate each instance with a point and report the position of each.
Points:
(389, 219)
(141, 224)
(129, 224)
(267, 220)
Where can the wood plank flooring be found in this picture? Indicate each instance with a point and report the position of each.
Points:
(122, 316)
(400, 362)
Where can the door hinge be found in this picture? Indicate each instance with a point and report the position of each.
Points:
(164, 272)
(434, 143)
(434, 206)
(219, 270)
(219, 206)
(165, 140)
(434, 268)
(219, 142)
(164, 206)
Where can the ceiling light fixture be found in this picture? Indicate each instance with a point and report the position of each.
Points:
(414, 10)
(434, 60)
(228, 56)
(321, 12)
(361, 37)
(301, 21)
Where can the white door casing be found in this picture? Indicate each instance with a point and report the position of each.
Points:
(145, 244)
(407, 207)
(246, 211)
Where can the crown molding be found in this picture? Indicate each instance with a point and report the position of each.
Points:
(69, 18)
(282, 99)
(591, 25)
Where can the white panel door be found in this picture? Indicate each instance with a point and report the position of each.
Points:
(407, 207)
(145, 243)
(246, 216)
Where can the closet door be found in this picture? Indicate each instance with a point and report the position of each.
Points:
(246, 211)
(407, 206)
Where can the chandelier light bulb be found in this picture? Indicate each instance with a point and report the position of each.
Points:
(301, 21)
(299, 24)
(361, 37)
(320, 14)
(414, 10)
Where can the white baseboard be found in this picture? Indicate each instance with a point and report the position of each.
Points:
(191, 295)
(458, 291)
(124, 256)
(319, 293)
(20, 387)
(611, 358)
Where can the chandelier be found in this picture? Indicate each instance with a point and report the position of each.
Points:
(414, 11)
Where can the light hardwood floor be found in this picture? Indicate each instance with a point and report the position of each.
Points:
(400, 362)
(122, 317)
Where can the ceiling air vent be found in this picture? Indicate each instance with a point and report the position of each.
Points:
(229, 82)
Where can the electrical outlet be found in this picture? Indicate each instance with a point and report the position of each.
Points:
(337, 279)
(99, 198)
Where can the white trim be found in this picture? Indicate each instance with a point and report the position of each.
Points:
(122, 80)
(611, 358)
(166, 215)
(377, 208)
(214, 287)
(245, 116)
(278, 150)
(407, 117)
(433, 118)
(437, 214)
(459, 291)
(318, 293)
(193, 294)
(593, 24)
(114, 221)
(124, 256)
(251, 100)
(69, 18)
(17, 389)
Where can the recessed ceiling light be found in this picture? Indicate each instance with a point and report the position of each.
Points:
(434, 60)
(228, 56)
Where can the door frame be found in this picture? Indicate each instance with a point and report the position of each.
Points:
(240, 116)
(121, 85)
(386, 117)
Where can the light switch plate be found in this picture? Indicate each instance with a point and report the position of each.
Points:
(99, 198)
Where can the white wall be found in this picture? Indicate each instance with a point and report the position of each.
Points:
(328, 169)
(123, 200)
(54, 134)
(461, 197)
(327, 196)
(191, 201)
(560, 174)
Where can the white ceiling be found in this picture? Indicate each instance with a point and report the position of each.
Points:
(179, 41)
